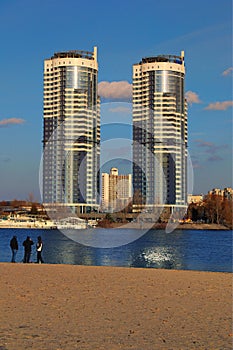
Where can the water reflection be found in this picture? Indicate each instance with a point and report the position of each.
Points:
(104, 238)
(187, 250)
(158, 257)
(159, 254)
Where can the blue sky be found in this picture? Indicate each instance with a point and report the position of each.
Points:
(124, 31)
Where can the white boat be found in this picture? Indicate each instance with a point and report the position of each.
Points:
(26, 222)
(71, 223)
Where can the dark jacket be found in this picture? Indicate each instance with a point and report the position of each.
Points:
(28, 245)
(14, 243)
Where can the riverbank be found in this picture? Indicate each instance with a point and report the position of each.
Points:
(194, 226)
(108, 224)
(79, 307)
(162, 226)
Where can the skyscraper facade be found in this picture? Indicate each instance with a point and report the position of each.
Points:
(71, 133)
(160, 132)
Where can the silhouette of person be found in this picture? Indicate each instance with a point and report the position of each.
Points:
(27, 249)
(39, 248)
(14, 248)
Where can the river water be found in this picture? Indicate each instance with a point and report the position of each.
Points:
(201, 250)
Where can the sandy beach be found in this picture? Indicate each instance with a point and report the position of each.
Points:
(56, 307)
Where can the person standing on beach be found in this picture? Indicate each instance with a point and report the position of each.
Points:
(39, 247)
(14, 248)
(27, 249)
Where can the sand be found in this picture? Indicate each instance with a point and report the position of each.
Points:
(51, 307)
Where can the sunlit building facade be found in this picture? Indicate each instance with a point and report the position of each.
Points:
(116, 191)
(227, 192)
(71, 132)
(160, 131)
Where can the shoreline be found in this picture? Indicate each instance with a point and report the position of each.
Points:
(92, 307)
(157, 226)
(130, 225)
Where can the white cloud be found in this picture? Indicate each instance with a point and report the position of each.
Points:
(11, 121)
(192, 97)
(120, 109)
(227, 71)
(115, 90)
(220, 106)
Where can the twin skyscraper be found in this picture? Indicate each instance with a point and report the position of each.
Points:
(71, 132)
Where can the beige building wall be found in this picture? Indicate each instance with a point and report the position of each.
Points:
(105, 192)
(227, 192)
(116, 190)
(195, 198)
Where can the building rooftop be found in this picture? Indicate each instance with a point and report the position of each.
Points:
(74, 54)
(163, 58)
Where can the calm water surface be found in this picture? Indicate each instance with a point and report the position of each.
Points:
(181, 249)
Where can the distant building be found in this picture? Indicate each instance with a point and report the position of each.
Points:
(71, 136)
(160, 132)
(217, 192)
(196, 199)
(227, 192)
(116, 190)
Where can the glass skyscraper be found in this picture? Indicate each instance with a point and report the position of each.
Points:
(71, 138)
(159, 132)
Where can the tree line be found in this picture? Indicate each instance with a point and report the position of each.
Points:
(214, 209)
